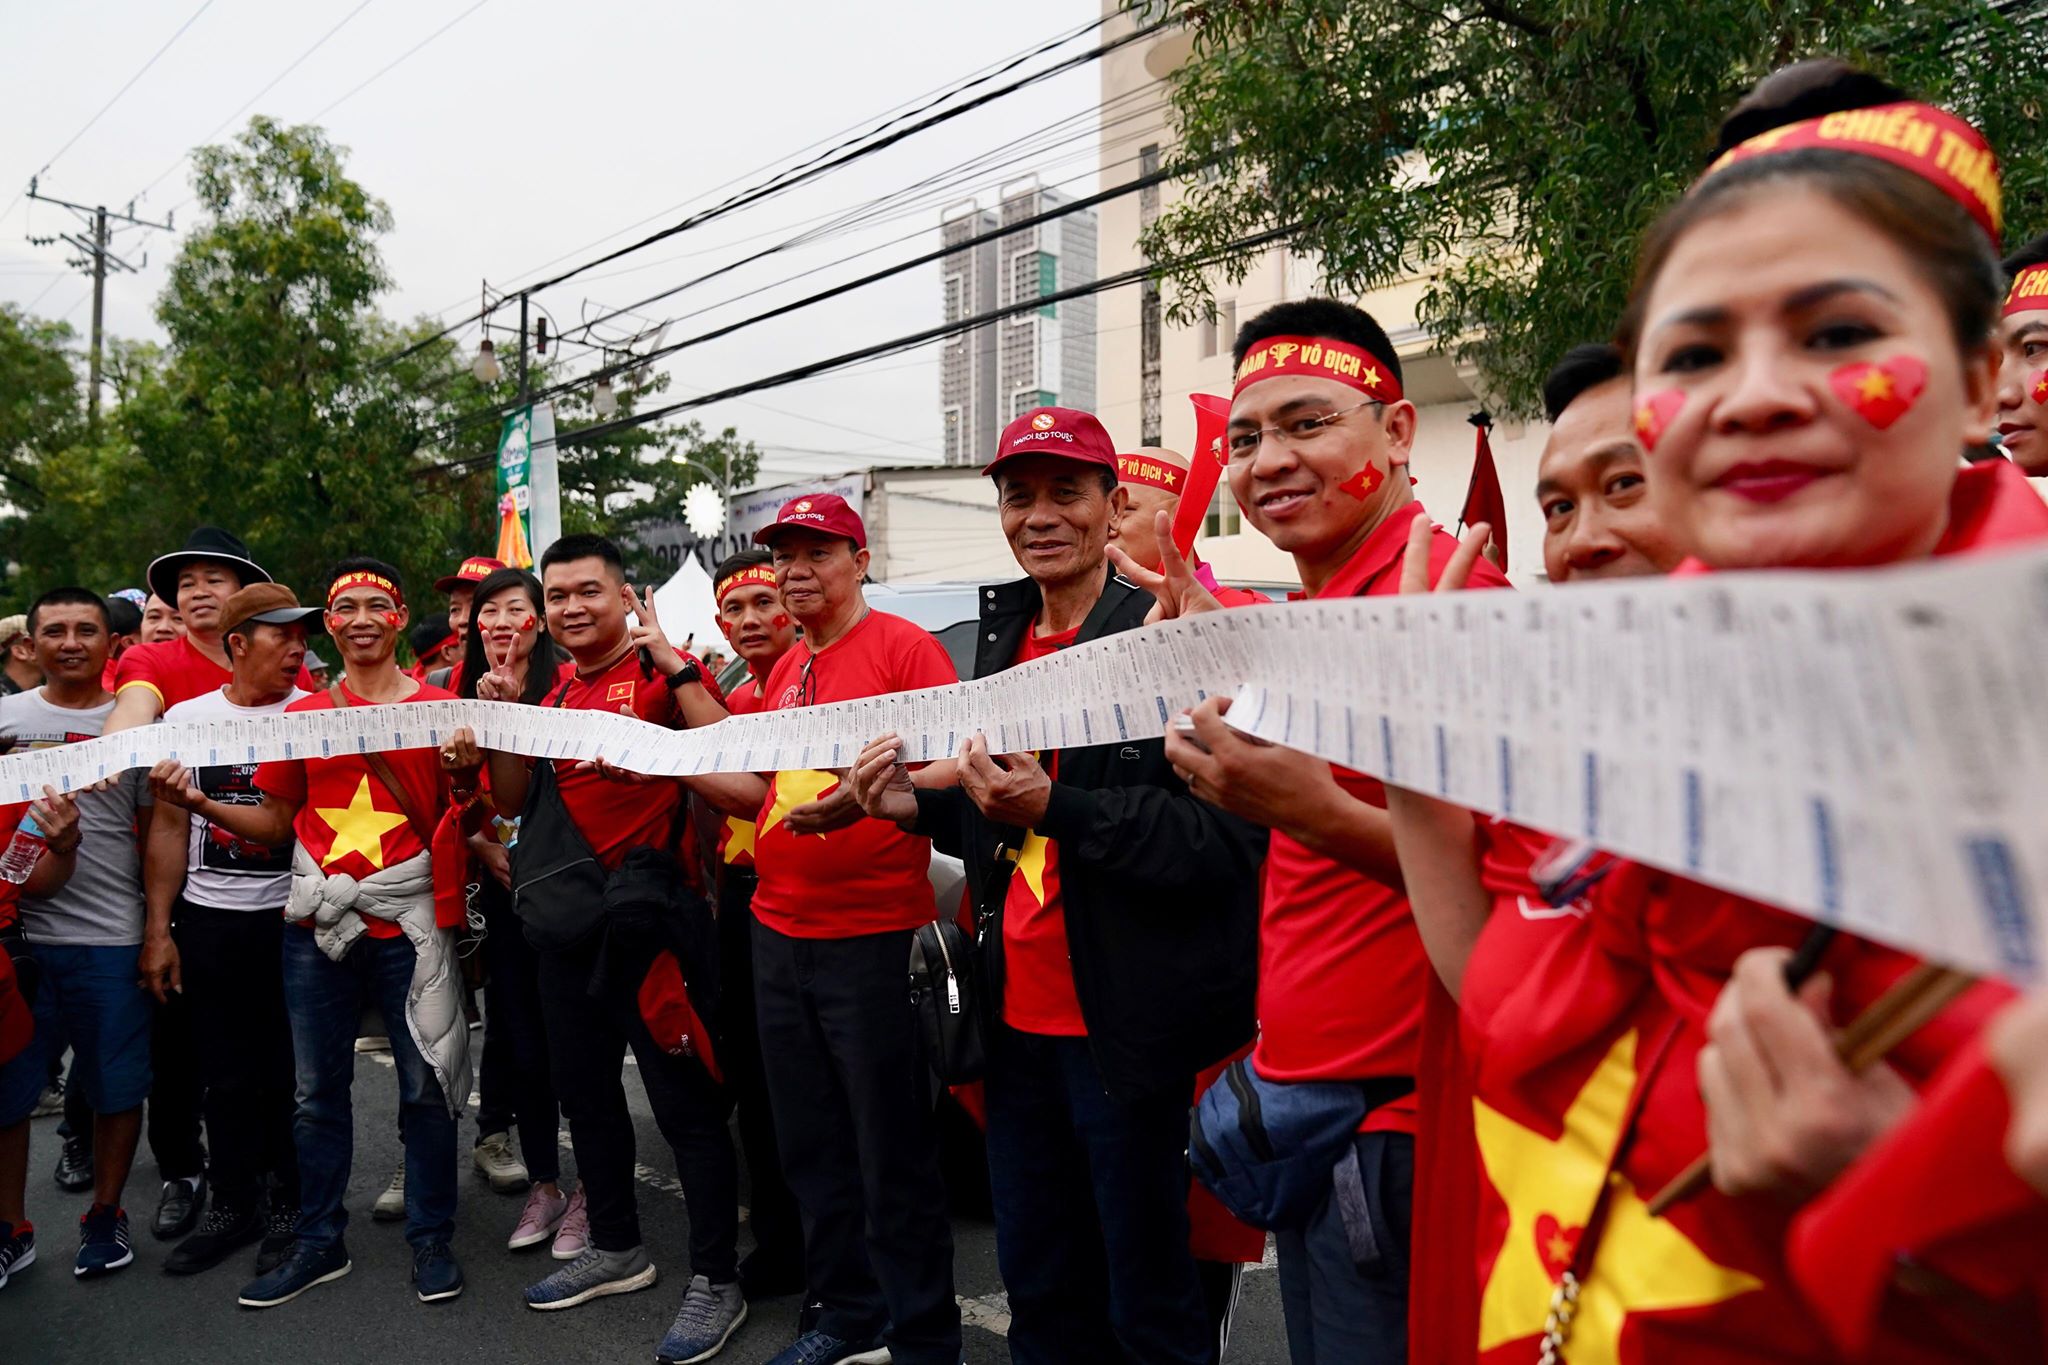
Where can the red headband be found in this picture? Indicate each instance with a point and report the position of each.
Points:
(362, 578)
(2029, 292)
(1321, 358)
(1149, 473)
(1932, 143)
(752, 574)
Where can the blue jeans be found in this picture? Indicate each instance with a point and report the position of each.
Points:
(1338, 1311)
(322, 998)
(1091, 1204)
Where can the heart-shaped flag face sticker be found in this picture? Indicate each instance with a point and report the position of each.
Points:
(1655, 414)
(2038, 390)
(1556, 1244)
(1881, 393)
(1361, 484)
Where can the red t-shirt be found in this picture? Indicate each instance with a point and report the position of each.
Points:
(616, 816)
(1038, 973)
(176, 671)
(1342, 970)
(347, 820)
(736, 835)
(868, 877)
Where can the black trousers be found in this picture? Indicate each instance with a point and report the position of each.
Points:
(853, 1115)
(778, 1228)
(587, 1041)
(235, 994)
(177, 1090)
(513, 1078)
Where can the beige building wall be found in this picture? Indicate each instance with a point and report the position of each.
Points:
(1197, 359)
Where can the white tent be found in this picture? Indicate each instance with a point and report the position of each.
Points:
(686, 609)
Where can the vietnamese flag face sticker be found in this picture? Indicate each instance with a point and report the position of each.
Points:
(1361, 484)
(781, 619)
(529, 623)
(1655, 414)
(2038, 389)
(390, 618)
(1883, 392)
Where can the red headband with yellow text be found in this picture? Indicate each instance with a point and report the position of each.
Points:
(1147, 473)
(362, 578)
(2029, 292)
(747, 577)
(1932, 143)
(1319, 358)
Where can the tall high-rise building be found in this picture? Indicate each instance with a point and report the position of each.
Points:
(1034, 357)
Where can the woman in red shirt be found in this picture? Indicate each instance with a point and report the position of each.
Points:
(1810, 337)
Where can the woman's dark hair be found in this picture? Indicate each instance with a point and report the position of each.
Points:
(1943, 241)
(541, 666)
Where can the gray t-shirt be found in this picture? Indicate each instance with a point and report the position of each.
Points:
(102, 903)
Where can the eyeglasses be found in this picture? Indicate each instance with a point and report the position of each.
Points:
(1295, 431)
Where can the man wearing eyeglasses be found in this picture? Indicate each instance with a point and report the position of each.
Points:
(1318, 447)
(837, 900)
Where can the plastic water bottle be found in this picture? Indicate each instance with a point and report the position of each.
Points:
(23, 849)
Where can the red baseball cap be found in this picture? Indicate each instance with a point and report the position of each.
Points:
(1067, 433)
(475, 569)
(825, 513)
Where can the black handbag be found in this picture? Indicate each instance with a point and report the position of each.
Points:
(946, 995)
(558, 885)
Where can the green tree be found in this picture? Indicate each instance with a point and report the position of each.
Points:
(1512, 153)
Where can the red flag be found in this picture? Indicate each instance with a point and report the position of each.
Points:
(1205, 467)
(1483, 499)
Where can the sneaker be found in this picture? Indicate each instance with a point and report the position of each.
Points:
(592, 1275)
(710, 1314)
(822, 1348)
(435, 1272)
(390, 1205)
(539, 1219)
(572, 1238)
(494, 1157)
(17, 1248)
(224, 1232)
(373, 1042)
(178, 1208)
(51, 1101)
(304, 1268)
(103, 1245)
(279, 1236)
(74, 1166)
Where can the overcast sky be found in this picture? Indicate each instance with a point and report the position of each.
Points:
(531, 132)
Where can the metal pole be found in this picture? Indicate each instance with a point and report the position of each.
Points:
(99, 297)
(523, 390)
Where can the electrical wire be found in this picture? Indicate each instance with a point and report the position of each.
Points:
(387, 67)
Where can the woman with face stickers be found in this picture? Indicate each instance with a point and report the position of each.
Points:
(1811, 342)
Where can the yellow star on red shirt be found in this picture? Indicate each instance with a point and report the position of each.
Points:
(796, 787)
(1030, 862)
(359, 827)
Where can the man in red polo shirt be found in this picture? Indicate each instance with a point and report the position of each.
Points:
(1318, 447)
(838, 900)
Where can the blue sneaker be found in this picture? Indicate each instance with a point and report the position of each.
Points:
(17, 1248)
(304, 1268)
(711, 1313)
(102, 1241)
(592, 1275)
(435, 1273)
(822, 1348)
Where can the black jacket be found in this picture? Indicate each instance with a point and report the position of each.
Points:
(1161, 890)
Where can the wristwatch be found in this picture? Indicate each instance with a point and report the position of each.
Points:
(690, 672)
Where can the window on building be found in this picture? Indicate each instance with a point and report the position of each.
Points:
(1209, 336)
(1024, 400)
(956, 297)
(1223, 518)
(1227, 326)
(1048, 281)
(952, 446)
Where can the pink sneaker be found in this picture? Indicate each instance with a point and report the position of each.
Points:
(572, 1238)
(538, 1220)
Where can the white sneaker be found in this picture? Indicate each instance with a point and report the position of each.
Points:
(494, 1157)
(390, 1205)
(373, 1043)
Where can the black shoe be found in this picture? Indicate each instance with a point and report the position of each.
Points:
(223, 1232)
(769, 1277)
(178, 1207)
(435, 1273)
(278, 1238)
(74, 1166)
(303, 1269)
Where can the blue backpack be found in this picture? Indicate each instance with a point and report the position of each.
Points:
(1266, 1148)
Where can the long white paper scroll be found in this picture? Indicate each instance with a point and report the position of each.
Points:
(1869, 748)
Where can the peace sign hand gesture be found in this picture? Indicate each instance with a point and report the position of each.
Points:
(648, 635)
(1175, 589)
(501, 683)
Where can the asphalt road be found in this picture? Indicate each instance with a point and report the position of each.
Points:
(47, 1317)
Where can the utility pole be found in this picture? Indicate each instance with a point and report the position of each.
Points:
(94, 259)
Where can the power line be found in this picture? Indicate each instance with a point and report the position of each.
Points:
(844, 154)
(388, 66)
(126, 86)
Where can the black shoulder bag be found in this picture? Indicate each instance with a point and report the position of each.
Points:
(557, 882)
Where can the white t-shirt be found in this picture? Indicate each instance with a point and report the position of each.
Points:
(101, 905)
(222, 870)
